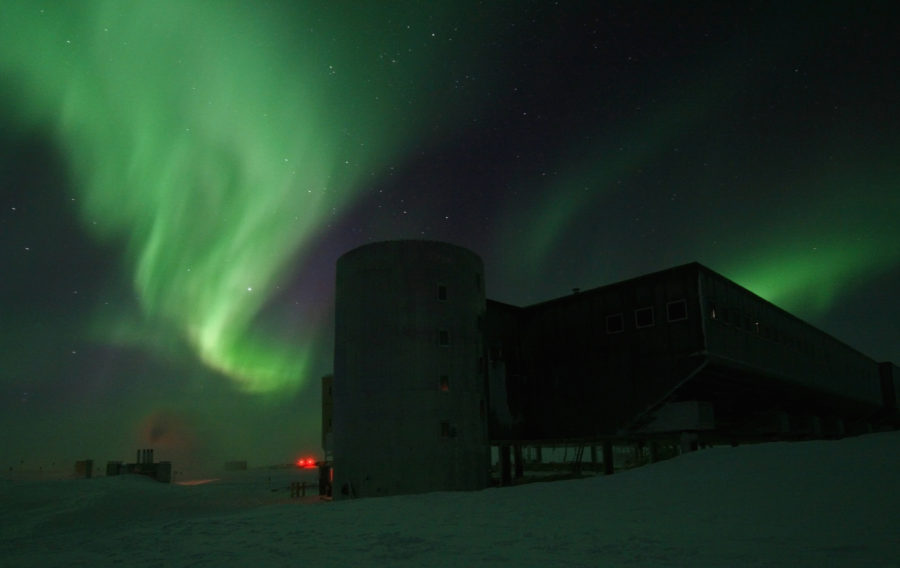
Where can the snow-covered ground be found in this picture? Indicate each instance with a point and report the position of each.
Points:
(823, 503)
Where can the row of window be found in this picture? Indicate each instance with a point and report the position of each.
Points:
(824, 350)
(742, 321)
(646, 317)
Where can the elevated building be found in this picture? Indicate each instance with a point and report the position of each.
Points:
(428, 375)
(681, 350)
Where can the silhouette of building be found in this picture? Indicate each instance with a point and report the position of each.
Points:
(684, 349)
(409, 407)
(683, 355)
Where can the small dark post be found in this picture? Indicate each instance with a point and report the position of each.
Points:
(594, 456)
(517, 456)
(688, 442)
(608, 465)
(538, 456)
(654, 451)
(324, 479)
(505, 474)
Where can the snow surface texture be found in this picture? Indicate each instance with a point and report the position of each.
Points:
(822, 503)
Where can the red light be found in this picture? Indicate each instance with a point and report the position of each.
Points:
(306, 463)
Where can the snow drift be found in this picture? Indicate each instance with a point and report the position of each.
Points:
(821, 503)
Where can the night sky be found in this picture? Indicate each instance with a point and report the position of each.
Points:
(177, 180)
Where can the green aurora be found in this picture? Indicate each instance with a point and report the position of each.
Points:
(204, 147)
(201, 145)
(181, 176)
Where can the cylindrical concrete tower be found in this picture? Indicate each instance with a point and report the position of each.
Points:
(409, 388)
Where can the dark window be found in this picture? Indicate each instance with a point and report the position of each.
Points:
(615, 323)
(445, 428)
(445, 383)
(444, 338)
(676, 311)
(643, 317)
(733, 317)
(442, 293)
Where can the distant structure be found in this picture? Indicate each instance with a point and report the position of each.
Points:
(683, 356)
(409, 388)
(144, 465)
(84, 468)
(236, 465)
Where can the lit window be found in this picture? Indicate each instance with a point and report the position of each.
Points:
(441, 293)
(443, 338)
(615, 323)
(445, 383)
(712, 311)
(676, 311)
(643, 317)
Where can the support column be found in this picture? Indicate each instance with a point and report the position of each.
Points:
(688, 442)
(519, 465)
(505, 466)
(654, 451)
(608, 465)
